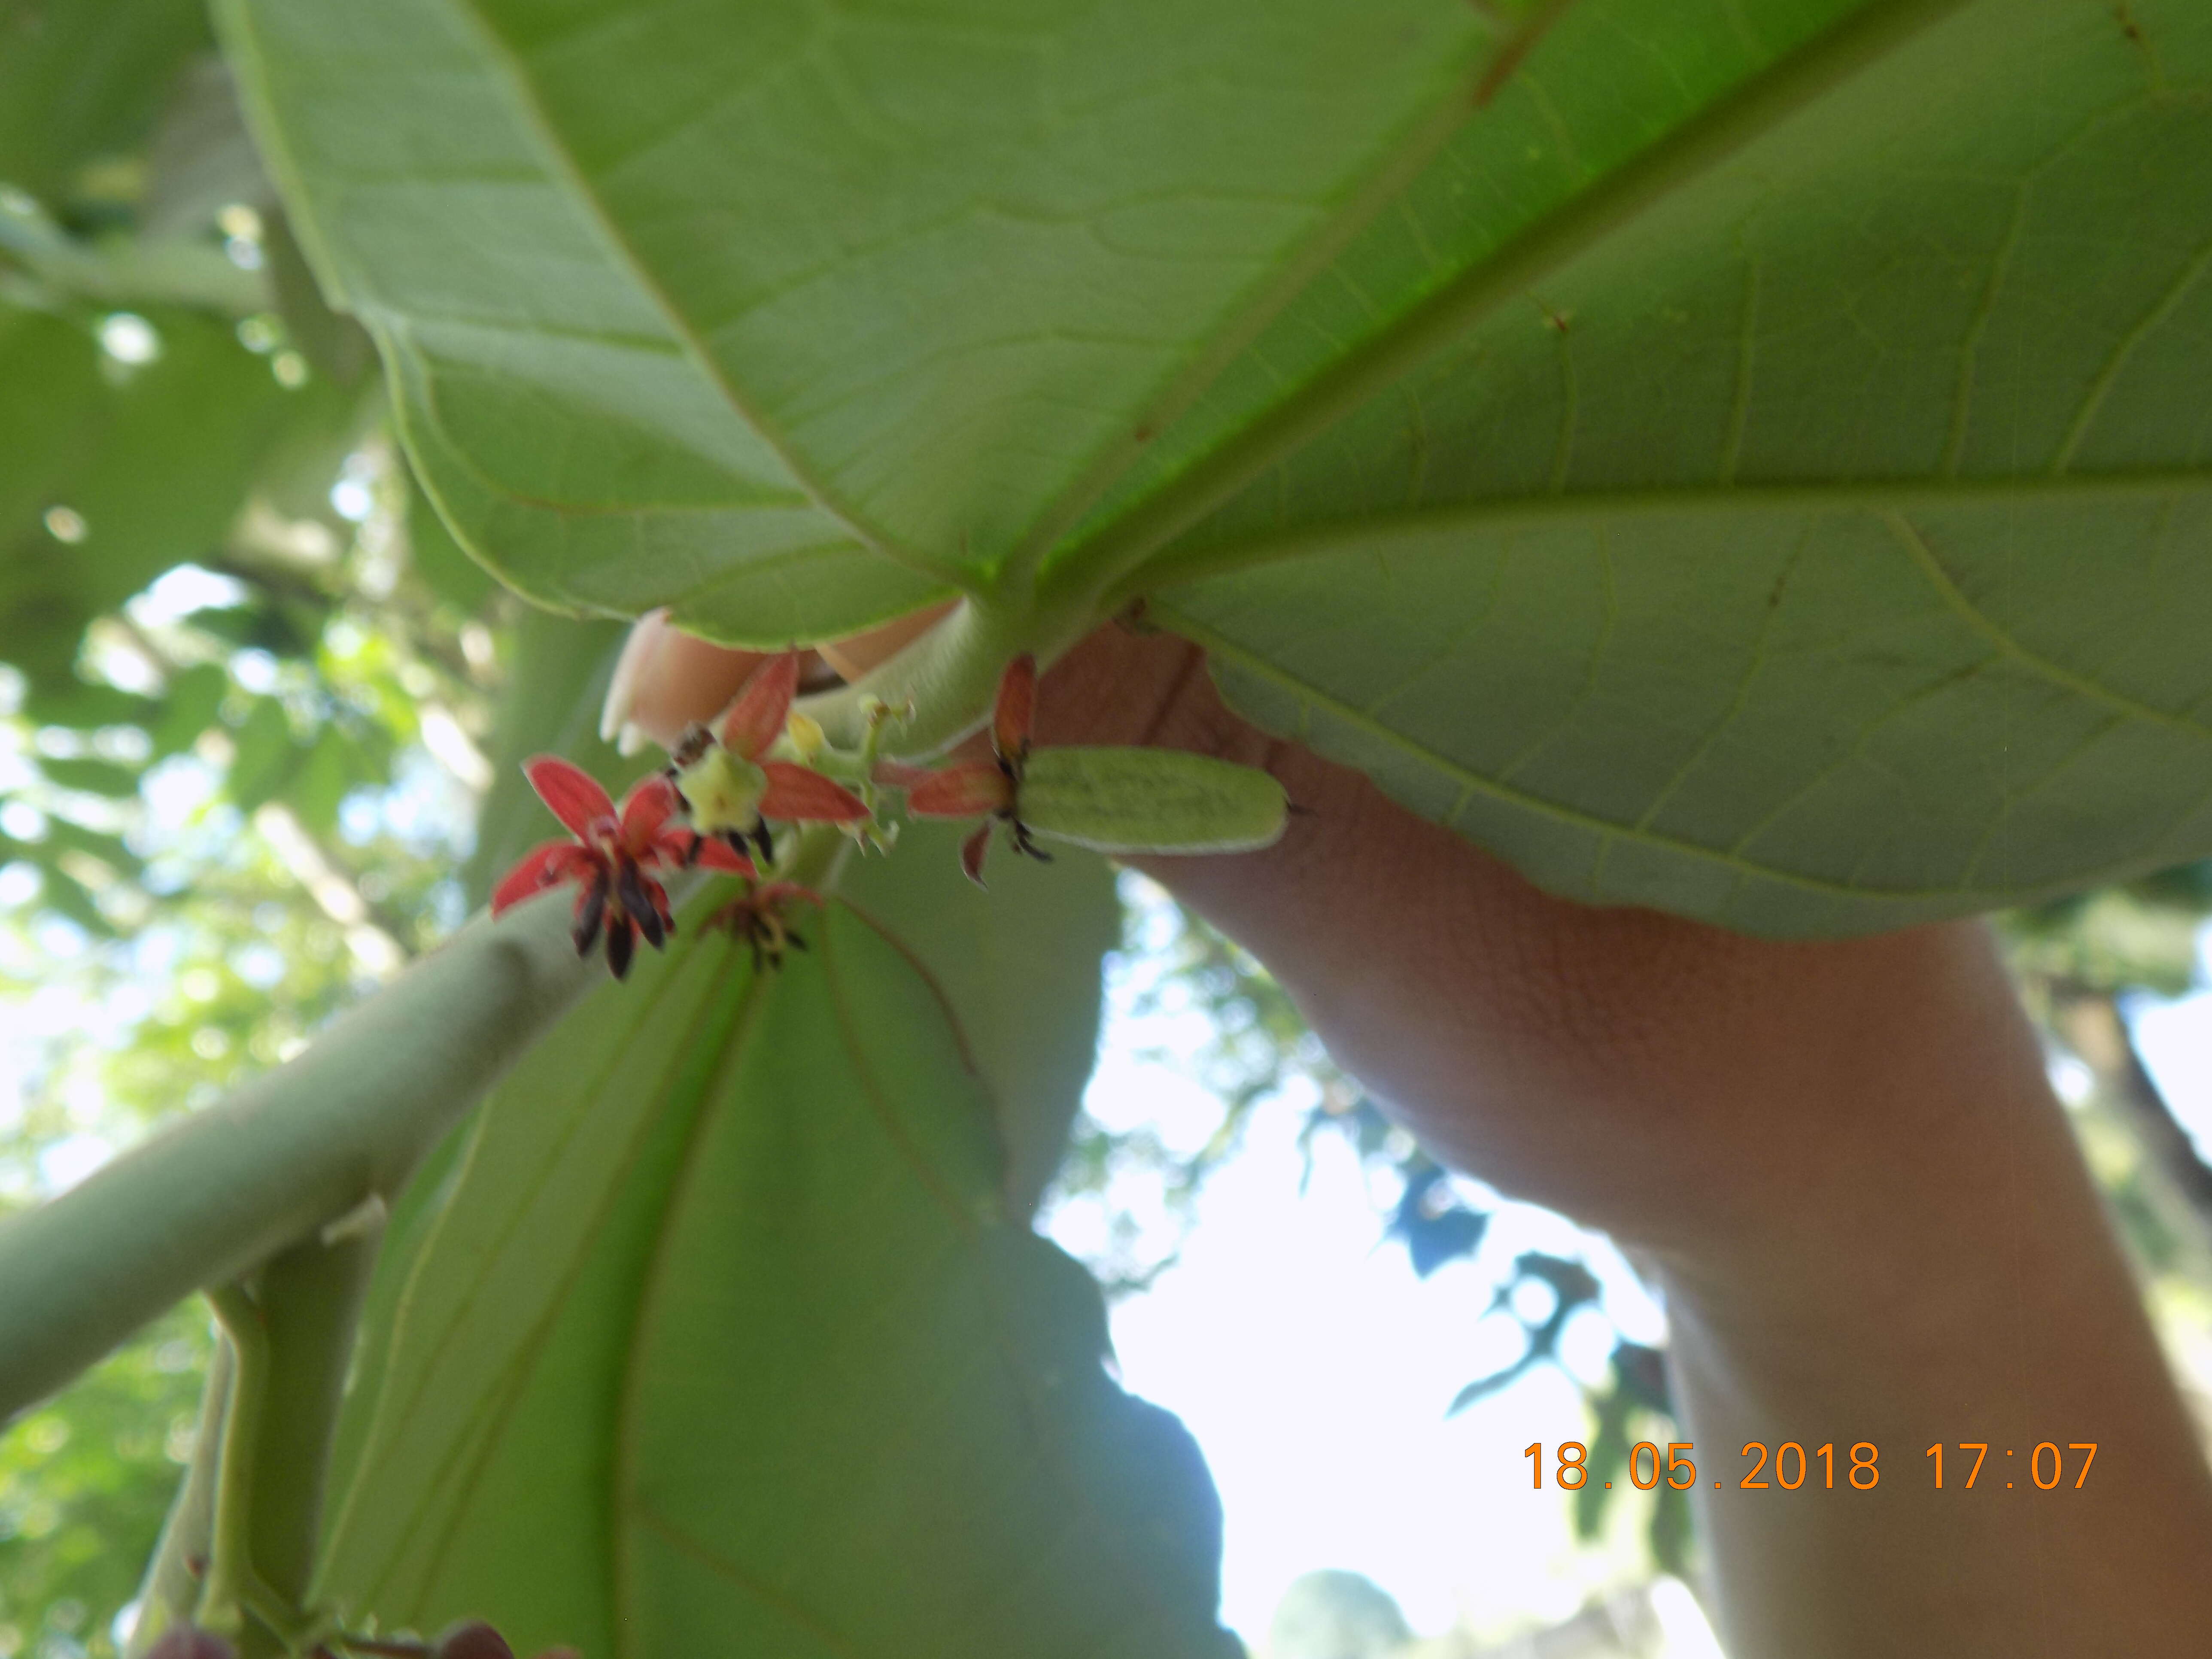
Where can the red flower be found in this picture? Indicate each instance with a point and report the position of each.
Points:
(992, 786)
(729, 788)
(761, 917)
(609, 858)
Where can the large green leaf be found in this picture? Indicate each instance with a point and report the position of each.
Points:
(717, 1337)
(791, 320)
(1843, 561)
(155, 463)
(1018, 965)
(1744, 456)
(82, 81)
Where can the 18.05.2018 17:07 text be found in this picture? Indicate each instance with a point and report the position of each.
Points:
(1862, 1473)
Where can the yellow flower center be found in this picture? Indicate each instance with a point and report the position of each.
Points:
(724, 793)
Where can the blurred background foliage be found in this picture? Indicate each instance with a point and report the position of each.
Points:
(254, 695)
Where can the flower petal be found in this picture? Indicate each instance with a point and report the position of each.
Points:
(756, 719)
(709, 854)
(897, 774)
(962, 792)
(573, 793)
(542, 867)
(1016, 707)
(972, 851)
(644, 809)
(795, 794)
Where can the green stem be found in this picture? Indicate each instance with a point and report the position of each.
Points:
(230, 1562)
(170, 1595)
(310, 1300)
(130, 271)
(815, 853)
(225, 1189)
(950, 675)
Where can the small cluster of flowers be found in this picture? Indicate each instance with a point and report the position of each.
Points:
(471, 1638)
(711, 805)
(726, 783)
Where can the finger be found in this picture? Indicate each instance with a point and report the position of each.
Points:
(666, 680)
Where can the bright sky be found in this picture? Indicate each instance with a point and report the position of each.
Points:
(2175, 1040)
(1315, 1368)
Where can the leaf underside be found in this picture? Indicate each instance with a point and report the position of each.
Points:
(714, 1332)
(1743, 456)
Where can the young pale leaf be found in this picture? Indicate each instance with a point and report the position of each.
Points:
(1150, 801)
(716, 1337)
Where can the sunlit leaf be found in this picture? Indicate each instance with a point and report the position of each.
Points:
(1806, 529)
(1744, 458)
(112, 477)
(97, 777)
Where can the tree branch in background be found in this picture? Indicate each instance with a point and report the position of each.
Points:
(2086, 1017)
(374, 945)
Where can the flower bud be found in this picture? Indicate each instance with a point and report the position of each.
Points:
(806, 736)
(191, 1642)
(1150, 801)
(472, 1639)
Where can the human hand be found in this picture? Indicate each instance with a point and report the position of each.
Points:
(1843, 1159)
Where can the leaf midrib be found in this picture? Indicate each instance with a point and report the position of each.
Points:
(1419, 139)
(1183, 567)
(1473, 782)
(1117, 552)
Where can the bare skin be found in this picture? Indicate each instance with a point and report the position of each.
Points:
(1843, 1161)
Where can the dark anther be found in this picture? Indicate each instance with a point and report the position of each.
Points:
(622, 942)
(585, 933)
(629, 886)
(697, 740)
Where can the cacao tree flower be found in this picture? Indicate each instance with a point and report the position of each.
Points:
(191, 1642)
(759, 917)
(1116, 800)
(992, 786)
(724, 778)
(609, 858)
(471, 1638)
